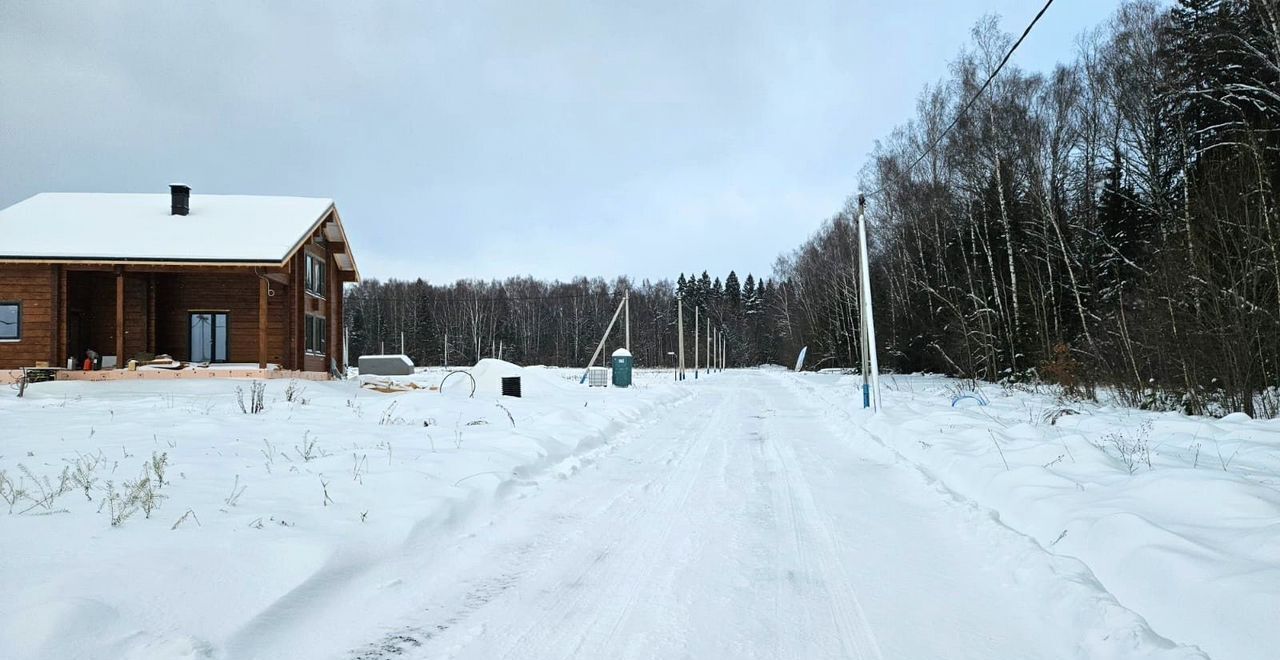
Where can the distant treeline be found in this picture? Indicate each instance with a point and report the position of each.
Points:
(1112, 222)
(529, 321)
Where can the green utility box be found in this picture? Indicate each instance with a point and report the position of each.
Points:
(622, 363)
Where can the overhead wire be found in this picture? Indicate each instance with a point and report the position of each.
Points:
(973, 99)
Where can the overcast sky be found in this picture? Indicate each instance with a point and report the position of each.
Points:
(487, 139)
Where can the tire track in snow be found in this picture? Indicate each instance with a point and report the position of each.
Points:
(531, 562)
(813, 544)
(555, 634)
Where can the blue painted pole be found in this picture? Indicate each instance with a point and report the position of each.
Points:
(866, 395)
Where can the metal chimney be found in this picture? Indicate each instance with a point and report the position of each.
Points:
(180, 198)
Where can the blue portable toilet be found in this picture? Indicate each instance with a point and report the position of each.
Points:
(622, 363)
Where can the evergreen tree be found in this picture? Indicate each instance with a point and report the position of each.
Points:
(732, 292)
(701, 290)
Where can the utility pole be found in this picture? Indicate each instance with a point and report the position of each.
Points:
(680, 336)
(627, 301)
(446, 350)
(871, 388)
(709, 346)
(603, 339)
(696, 339)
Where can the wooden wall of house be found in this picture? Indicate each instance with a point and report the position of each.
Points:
(34, 286)
(178, 294)
(329, 307)
(91, 302)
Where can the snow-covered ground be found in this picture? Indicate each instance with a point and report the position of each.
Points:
(752, 513)
(262, 516)
(1177, 516)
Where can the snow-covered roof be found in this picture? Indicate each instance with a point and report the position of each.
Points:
(139, 227)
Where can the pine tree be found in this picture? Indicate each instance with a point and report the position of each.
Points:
(704, 284)
(1126, 226)
(732, 292)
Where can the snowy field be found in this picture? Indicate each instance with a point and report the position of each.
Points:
(1179, 517)
(752, 513)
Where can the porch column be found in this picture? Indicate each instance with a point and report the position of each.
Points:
(120, 359)
(56, 313)
(262, 322)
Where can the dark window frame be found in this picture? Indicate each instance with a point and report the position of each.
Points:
(213, 335)
(17, 337)
(316, 340)
(315, 275)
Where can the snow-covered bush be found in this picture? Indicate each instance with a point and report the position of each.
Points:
(1133, 448)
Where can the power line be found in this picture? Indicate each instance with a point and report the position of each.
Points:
(995, 72)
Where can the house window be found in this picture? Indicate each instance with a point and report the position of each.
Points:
(316, 276)
(10, 321)
(317, 334)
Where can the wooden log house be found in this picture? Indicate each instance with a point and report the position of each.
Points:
(204, 278)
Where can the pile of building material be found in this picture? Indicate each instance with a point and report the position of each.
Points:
(391, 387)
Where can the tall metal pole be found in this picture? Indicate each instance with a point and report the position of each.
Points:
(627, 302)
(870, 319)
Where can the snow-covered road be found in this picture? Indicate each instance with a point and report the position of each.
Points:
(752, 520)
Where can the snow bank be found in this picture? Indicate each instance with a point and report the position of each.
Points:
(1176, 516)
(262, 520)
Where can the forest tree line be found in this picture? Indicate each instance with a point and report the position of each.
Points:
(1114, 221)
(529, 321)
